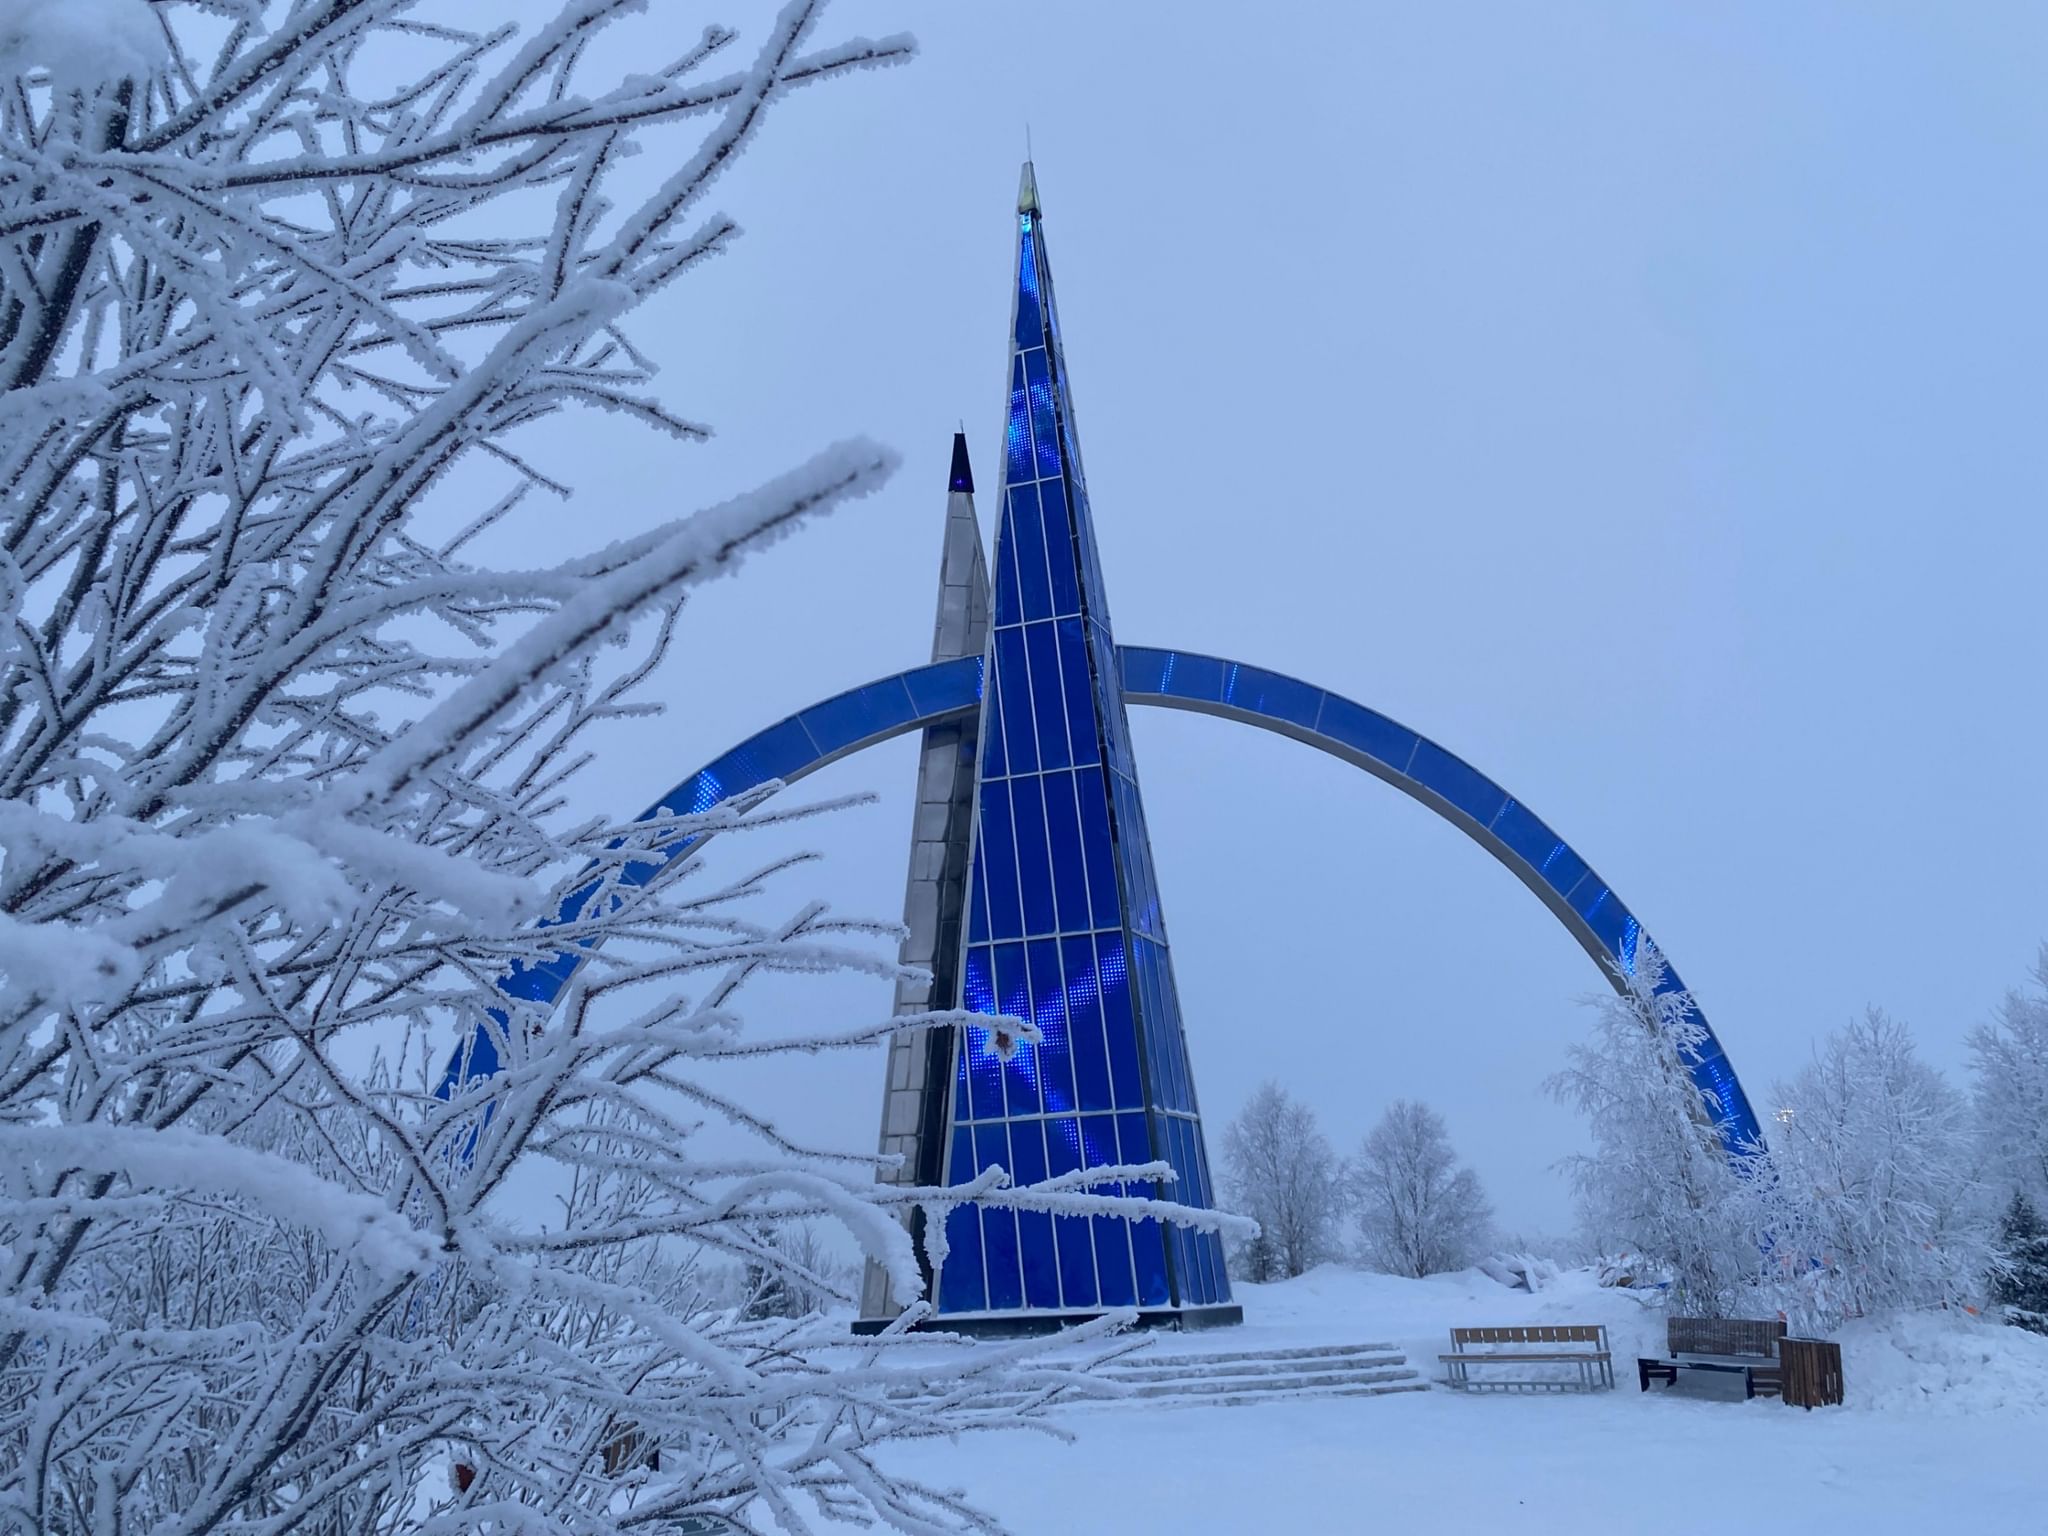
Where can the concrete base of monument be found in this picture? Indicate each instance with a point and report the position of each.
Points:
(1014, 1325)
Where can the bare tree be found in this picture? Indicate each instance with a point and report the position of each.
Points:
(1278, 1169)
(283, 284)
(1418, 1211)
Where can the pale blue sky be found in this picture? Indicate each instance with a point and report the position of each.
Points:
(1644, 401)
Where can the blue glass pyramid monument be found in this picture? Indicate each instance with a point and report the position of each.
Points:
(1061, 921)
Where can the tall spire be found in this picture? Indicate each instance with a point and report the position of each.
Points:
(1063, 922)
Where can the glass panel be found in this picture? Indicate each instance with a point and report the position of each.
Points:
(1070, 873)
(1563, 868)
(984, 1066)
(1519, 828)
(998, 845)
(1017, 437)
(1034, 1228)
(1038, 386)
(1034, 859)
(1098, 847)
(995, 761)
(1081, 732)
(1126, 1086)
(855, 716)
(977, 899)
(1049, 1012)
(944, 685)
(1020, 1072)
(1143, 668)
(777, 753)
(1368, 732)
(1030, 321)
(1013, 683)
(1076, 1241)
(1113, 1261)
(1458, 782)
(1024, 535)
(960, 1283)
(1084, 1010)
(1059, 549)
(999, 1244)
(1046, 695)
(1276, 697)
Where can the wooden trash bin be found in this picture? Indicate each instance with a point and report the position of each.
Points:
(1813, 1371)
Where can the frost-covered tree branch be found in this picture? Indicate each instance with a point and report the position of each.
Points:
(283, 286)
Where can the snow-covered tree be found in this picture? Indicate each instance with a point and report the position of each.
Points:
(1418, 1210)
(2009, 1058)
(1877, 1201)
(1658, 1179)
(283, 284)
(1278, 1170)
(2020, 1283)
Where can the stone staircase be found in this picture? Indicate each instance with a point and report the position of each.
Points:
(1160, 1379)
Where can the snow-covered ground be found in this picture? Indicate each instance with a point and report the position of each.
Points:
(1946, 1425)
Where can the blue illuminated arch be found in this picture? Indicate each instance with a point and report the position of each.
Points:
(942, 691)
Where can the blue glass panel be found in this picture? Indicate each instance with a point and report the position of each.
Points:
(1081, 732)
(1145, 999)
(1134, 1145)
(1369, 732)
(1046, 694)
(977, 899)
(1143, 668)
(960, 1282)
(1084, 1011)
(1038, 386)
(1527, 836)
(1013, 683)
(960, 1165)
(1076, 1242)
(1013, 997)
(1180, 1092)
(1069, 870)
(944, 685)
(1113, 1261)
(1009, 599)
(776, 753)
(1126, 1086)
(1604, 914)
(984, 1066)
(1017, 436)
(1030, 322)
(1563, 868)
(999, 848)
(1458, 782)
(1025, 535)
(1034, 1228)
(1098, 847)
(1049, 1013)
(1276, 697)
(1034, 860)
(995, 760)
(999, 1246)
(858, 715)
(1148, 1239)
(1059, 549)
(694, 796)
(1194, 677)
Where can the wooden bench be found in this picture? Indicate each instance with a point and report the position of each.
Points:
(1538, 1344)
(1732, 1346)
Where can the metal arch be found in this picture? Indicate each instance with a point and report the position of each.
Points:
(931, 695)
(1577, 897)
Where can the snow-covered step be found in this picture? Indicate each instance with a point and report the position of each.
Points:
(1174, 1370)
(1216, 1386)
(1306, 1352)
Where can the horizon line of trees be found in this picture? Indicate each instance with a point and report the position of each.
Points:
(1881, 1185)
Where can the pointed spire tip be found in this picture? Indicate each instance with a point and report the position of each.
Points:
(962, 477)
(1027, 190)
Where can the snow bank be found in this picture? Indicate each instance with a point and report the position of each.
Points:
(1943, 1362)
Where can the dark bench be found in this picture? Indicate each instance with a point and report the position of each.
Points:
(1538, 1344)
(1733, 1346)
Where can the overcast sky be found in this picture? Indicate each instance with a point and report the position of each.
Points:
(1644, 401)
